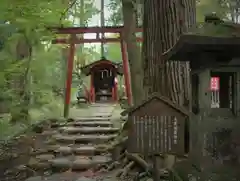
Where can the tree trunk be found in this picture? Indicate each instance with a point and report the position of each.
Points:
(164, 21)
(23, 50)
(135, 64)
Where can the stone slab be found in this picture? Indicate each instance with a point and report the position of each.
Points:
(83, 138)
(91, 123)
(88, 130)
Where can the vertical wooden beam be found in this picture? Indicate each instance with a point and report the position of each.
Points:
(113, 94)
(115, 89)
(91, 88)
(204, 91)
(126, 71)
(69, 78)
(93, 95)
(236, 93)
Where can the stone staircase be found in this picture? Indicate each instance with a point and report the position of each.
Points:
(76, 144)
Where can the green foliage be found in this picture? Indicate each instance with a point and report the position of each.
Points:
(83, 11)
(114, 52)
(115, 6)
(31, 72)
(210, 29)
(225, 9)
(116, 17)
(205, 7)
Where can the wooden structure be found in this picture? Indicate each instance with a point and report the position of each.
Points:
(157, 126)
(83, 95)
(213, 51)
(74, 33)
(103, 87)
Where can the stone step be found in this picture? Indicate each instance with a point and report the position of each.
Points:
(91, 123)
(83, 138)
(76, 149)
(102, 105)
(57, 124)
(79, 162)
(102, 115)
(92, 118)
(88, 130)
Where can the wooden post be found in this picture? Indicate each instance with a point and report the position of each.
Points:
(91, 88)
(156, 173)
(236, 94)
(113, 95)
(116, 92)
(69, 78)
(126, 72)
(93, 95)
(204, 90)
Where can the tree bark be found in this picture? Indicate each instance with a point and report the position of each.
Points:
(135, 63)
(164, 21)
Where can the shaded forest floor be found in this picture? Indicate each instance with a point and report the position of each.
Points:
(17, 156)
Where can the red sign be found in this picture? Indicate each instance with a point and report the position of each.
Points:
(214, 84)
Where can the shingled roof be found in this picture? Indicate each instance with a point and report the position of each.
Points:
(220, 40)
(87, 69)
(158, 97)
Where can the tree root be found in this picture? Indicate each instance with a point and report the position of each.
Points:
(113, 165)
(129, 161)
(140, 161)
(127, 169)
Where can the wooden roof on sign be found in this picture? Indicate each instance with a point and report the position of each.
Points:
(160, 98)
(87, 69)
(221, 40)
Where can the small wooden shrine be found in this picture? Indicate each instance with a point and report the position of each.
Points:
(157, 126)
(213, 51)
(103, 86)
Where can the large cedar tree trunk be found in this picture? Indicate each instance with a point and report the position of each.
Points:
(164, 21)
(134, 60)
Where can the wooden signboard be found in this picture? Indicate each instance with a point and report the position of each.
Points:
(157, 126)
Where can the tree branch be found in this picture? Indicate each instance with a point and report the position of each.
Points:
(66, 10)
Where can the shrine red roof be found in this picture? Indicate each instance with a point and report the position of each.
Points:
(87, 69)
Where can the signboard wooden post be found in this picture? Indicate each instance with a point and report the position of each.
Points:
(157, 126)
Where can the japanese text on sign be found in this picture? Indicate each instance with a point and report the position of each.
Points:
(154, 134)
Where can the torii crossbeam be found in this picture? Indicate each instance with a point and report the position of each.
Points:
(73, 32)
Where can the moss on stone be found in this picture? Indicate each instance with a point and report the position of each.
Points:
(216, 30)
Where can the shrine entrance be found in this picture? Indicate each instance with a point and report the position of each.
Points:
(75, 33)
(103, 82)
(103, 86)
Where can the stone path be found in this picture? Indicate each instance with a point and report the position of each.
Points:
(75, 144)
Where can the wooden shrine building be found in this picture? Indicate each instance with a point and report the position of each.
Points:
(103, 86)
(213, 51)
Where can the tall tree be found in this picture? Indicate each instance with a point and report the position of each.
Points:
(25, 36)
(164, 21)
(134, 61)
(83, 11)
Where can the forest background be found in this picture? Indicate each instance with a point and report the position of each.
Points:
(32, 80)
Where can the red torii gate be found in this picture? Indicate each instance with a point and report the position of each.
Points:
(73, 32)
